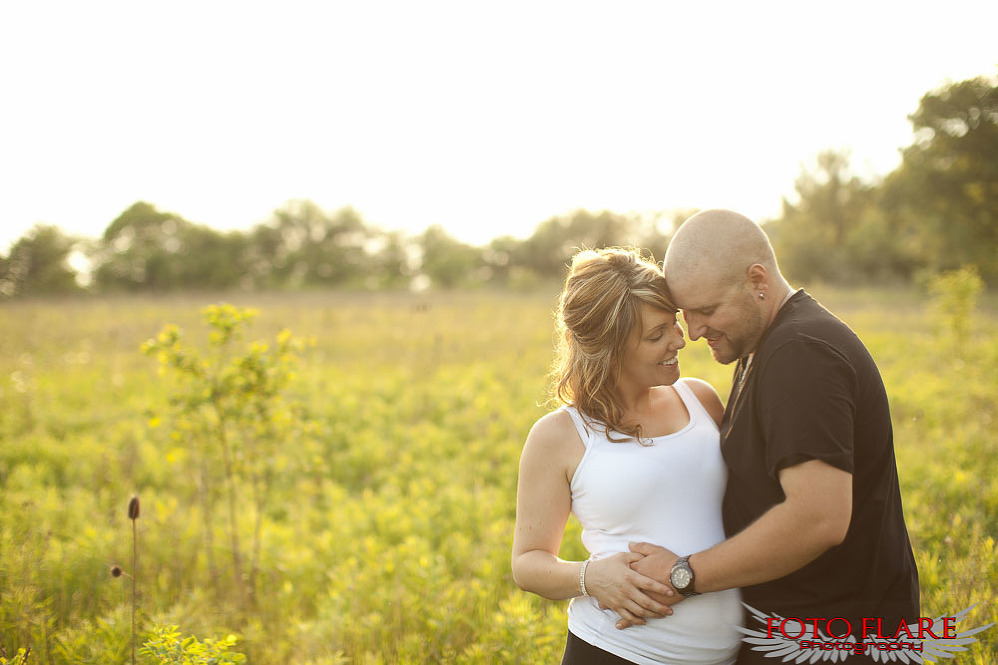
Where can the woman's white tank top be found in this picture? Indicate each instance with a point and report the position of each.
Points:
(667, 492)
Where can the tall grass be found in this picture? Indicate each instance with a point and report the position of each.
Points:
(387, 533)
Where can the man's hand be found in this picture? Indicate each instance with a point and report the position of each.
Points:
(618, 587)
(655, 563)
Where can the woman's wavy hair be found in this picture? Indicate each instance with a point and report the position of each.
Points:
(598, 312)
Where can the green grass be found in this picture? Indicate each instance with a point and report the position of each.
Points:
(388, 535)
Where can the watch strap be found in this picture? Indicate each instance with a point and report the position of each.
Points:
(688, 590)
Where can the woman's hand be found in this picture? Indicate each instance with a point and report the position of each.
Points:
(618, 587)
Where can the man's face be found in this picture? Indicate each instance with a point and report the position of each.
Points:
(724, 314)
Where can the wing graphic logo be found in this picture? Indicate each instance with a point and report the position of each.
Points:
(925, 641)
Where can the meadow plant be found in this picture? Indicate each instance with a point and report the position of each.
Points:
(386, 536)
(230, 407)
(20, 658)
(954, 298)
(167, 646)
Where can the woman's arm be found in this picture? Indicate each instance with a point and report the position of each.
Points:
(543, 504)
(544, 501)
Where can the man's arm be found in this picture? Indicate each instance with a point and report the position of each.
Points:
(813, 518)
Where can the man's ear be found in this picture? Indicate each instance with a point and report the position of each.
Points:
(758, 277)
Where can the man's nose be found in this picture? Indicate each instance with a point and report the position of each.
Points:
(694, 328)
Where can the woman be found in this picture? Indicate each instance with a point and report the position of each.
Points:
(634, 453)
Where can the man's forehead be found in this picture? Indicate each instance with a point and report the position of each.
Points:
(690, 293)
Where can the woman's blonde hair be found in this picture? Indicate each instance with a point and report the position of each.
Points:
(598, 312)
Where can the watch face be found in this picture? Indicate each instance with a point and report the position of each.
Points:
(681, 578)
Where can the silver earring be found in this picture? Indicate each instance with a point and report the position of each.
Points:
(762, 296)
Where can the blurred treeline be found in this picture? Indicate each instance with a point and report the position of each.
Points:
(937, 211)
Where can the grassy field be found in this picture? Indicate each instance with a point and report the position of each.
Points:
(383, 531)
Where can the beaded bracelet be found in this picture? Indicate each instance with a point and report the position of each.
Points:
(582, 577)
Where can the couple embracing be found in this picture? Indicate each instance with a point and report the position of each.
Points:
(785, 498)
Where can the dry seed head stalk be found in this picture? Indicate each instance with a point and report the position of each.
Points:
(133, 508)
(118, 571)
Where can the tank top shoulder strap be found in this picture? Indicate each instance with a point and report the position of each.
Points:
(697, 410)
(585, 429)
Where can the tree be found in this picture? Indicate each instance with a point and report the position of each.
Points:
(947, 184)
(38, 264)
(264, 258)
(145, 249)
(306, 246)
(549, 250)
(833, 232)
(210, 259)
(389, 260)
(501, 258)
(448, 262)
(138, 250)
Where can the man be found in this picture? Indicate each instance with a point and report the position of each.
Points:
(812, 508)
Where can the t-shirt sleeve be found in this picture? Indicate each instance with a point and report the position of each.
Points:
(806, 401)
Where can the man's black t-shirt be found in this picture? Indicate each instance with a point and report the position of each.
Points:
(813, 392)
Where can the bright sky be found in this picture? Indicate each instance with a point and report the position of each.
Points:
(485, 118)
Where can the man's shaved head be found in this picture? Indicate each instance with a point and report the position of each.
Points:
(722, 273)
(719, 246)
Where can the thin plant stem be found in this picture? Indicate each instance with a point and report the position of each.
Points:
(133, 514)
(135, 573)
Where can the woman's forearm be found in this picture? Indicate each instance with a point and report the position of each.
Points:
(547, 575)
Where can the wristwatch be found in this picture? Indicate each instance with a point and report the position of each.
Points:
(682, 577)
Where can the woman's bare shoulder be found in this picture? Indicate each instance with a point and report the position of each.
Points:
(554, 436)
(552, 427)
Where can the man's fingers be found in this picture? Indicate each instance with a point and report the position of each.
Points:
(631, 557)
(643, 549)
